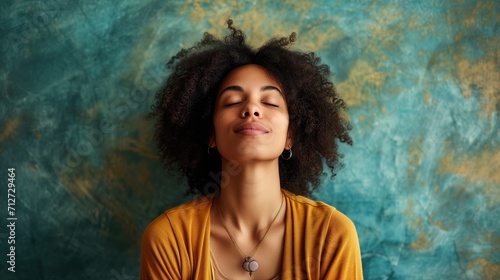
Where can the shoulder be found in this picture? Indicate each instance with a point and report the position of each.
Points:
(198, 206)
(308, 203)
(319, 231)
(319, 214)
(180, 218)
(171, 240)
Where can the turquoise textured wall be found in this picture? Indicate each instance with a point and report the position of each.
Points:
(422, 79)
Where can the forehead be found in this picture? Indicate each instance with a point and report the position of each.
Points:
(250, 74)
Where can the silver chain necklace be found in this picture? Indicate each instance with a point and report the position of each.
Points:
(250, 265)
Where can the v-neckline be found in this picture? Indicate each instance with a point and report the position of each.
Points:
(285, 237)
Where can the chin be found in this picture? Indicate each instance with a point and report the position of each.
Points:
(250, 152)
(251, 156)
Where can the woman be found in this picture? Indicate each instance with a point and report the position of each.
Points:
(251, 130)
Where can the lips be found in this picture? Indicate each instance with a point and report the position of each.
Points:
(252, 128)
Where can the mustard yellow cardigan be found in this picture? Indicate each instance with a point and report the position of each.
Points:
(320, 242)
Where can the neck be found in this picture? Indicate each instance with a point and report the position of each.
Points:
(250, 195)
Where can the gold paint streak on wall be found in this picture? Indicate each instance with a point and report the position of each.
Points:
(118, 169)
(92, 112)
(142, 145)
(421, 243)
(104, 189)
(9, 129)
(416, 224)
(299, 6)
(491, 270)
(438, 223)
(481, 14)
(316, 40)
(142, 51)
(351, 89)
(485, 75)
(37, 135)
(77, 186)
(426, 97)
(484, 166)
(385, 15)
(415, 156)
(32, 166)
(197, 12)
(415, 152)
(380, 34)
(259, 24)
(490, 189)
(485, 72)
(410, 204)
(139, 147)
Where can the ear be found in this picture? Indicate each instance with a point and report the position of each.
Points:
(289, 140)
(211, 141)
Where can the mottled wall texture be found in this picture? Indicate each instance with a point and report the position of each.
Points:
(422, 79)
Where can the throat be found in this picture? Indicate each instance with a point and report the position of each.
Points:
(244, 245)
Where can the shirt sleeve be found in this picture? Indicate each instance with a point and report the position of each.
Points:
(159, 251)
(342, 256)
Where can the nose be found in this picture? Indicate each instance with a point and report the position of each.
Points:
(251, 109)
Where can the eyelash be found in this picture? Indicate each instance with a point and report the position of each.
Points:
(265, 103)
(231, 104)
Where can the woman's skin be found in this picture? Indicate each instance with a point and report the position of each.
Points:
(250, 132)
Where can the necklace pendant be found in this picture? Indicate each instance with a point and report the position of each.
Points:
(250, 265)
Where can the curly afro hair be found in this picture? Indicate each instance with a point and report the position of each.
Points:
(185, 103)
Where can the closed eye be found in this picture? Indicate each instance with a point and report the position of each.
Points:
(270, 104)
(231, 104)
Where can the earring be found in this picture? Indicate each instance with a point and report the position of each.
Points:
(289, 154)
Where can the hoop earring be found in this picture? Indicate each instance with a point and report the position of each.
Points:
(289, 154)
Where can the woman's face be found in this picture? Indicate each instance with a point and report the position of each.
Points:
(250, 116)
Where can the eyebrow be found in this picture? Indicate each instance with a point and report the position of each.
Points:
(240, 89)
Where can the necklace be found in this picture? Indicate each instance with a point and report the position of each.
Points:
(250, 265)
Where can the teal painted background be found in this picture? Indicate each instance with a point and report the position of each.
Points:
(422, 78)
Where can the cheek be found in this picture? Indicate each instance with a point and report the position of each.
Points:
(282, 120)
(217, 119)
(220, 125)
(282, 123)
